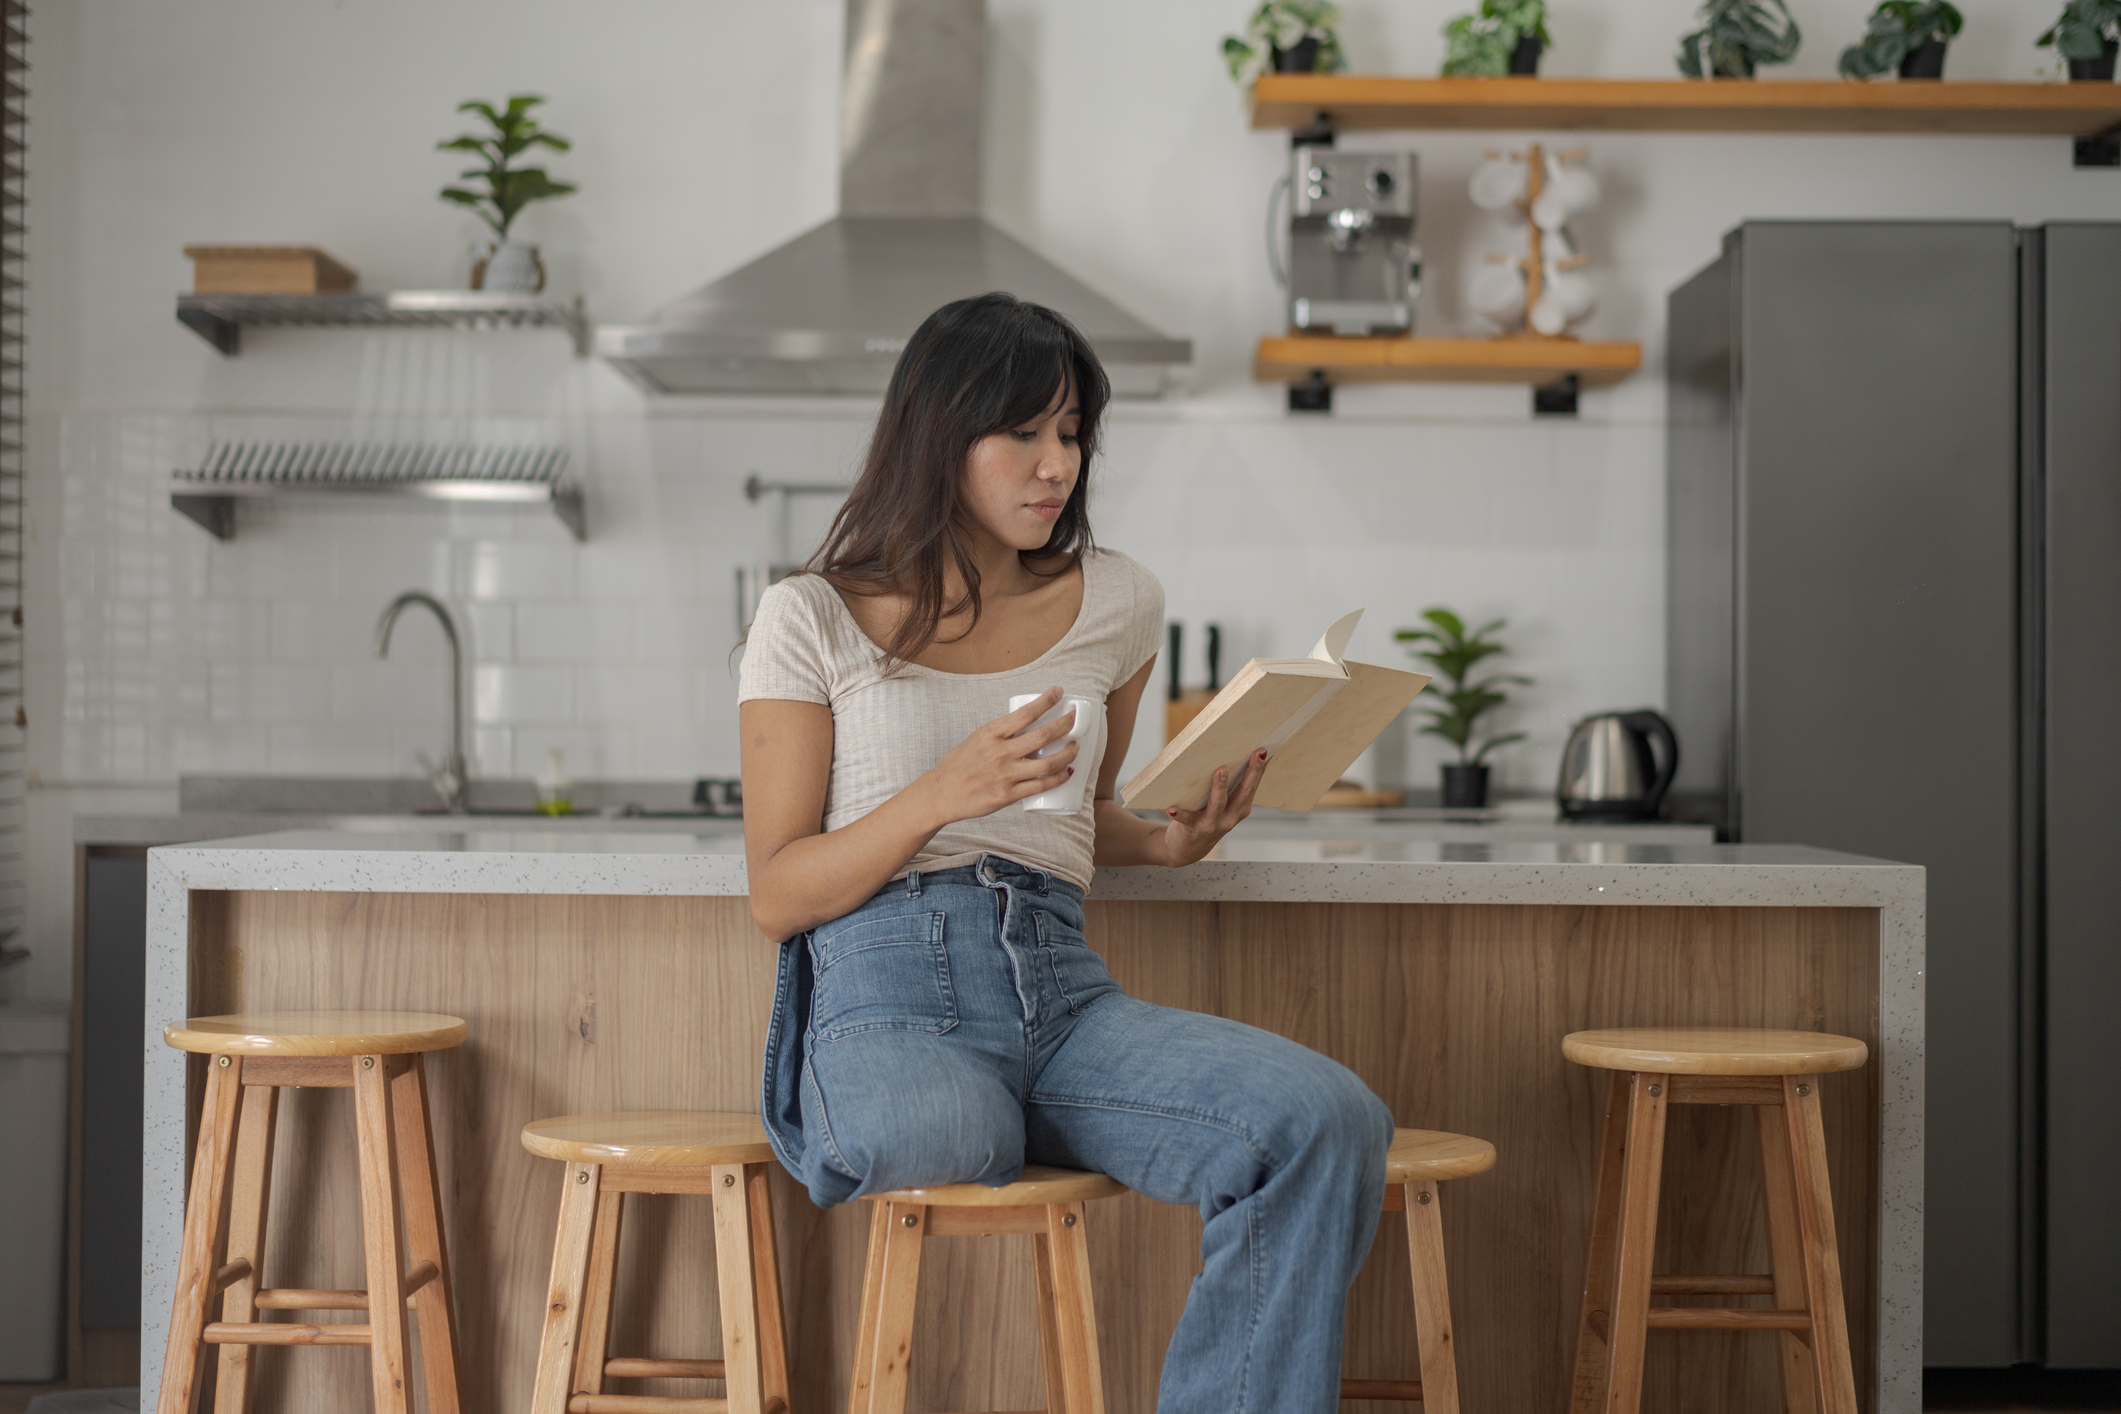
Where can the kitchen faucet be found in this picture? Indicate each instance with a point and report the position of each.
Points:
(448, 779)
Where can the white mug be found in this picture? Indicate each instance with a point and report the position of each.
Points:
(1067, 797)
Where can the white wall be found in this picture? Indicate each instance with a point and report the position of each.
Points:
(705, 134)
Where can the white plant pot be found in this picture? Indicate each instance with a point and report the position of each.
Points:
(511, 268)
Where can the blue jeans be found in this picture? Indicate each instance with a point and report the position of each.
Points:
(956, 1027)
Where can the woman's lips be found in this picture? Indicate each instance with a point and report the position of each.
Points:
(1047, 510)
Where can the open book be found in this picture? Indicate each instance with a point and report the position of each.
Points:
(1314, 716)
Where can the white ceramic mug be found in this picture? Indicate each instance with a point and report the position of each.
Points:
(1067, 797)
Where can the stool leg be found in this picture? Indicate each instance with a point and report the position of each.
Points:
(766, 1272)
(739, 1290)
(593, 1339)
(888, 1291)
(1822, 1260)
(865, 1327)
(433, 1305)
(1075, 1315)
(246, 1240)
(379, 1232)
(1594, 1325)
(1786, 1256)
(197, 1258)
(563, 1297)
(1432, 1300)
(1049, 1346)
(1628, 1328)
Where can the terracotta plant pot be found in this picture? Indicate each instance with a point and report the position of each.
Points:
(1465, 787)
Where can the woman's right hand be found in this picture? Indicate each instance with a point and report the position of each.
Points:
(999, 764)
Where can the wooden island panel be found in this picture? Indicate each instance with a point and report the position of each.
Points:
(1453, 1013)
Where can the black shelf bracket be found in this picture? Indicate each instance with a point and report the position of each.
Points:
(1556, 399)
(1314, 394)
(2098, 150)
(224, 334)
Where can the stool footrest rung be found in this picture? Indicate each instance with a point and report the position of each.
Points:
(1712, 1286)
(633, 1367)
(1726, 1318)
(296, 1298)
(282, 1333)
(1405, 1391)
(229, 1275)
(646, 1404)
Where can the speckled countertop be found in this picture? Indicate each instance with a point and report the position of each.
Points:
(1257, 865)
(1299, 861)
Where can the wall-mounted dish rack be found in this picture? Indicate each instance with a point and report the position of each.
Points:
(237, 471)
(221, 319)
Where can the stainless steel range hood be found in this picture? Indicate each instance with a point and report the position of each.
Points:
(829, 311)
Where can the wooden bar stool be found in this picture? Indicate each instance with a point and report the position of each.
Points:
(376, 1054)
(721, 1156)
(1655, 1067)
(1420, 1159)
(1045, 1202)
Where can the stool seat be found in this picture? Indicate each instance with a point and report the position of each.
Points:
(1714, 1050)
(1039, 1185)
(316, 1033)
(651, 1139)
(1418, 1155)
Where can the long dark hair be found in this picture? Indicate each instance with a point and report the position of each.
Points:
(974, 368)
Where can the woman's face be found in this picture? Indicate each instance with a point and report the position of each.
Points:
(1017, 480)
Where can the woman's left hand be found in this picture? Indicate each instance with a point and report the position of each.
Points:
(1192, 833)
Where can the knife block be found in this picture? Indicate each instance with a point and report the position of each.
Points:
(1180, 710)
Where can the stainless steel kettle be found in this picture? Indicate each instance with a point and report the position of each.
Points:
(1611, 771)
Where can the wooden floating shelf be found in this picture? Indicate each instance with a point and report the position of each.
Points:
(1295, 358)
(1688, 105)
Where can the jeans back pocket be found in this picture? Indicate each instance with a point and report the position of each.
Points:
(1078, 972)
(882, 974)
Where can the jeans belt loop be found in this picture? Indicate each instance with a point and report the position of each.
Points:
(1043, 879)
(913, 883)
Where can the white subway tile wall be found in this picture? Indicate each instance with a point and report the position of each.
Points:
(186, 654)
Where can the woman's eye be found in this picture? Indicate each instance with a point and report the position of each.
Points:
(1023, 436)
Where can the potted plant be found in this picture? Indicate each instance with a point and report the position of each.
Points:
(1502, 37)
(1908, 35)
(1737, 35)
(2087, 35)
(1287, 37)
(1454, 653)
(508, 265)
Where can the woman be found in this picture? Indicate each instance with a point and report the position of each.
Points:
(938, 1017)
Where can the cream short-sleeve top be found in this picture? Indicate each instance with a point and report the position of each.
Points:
(887, 731)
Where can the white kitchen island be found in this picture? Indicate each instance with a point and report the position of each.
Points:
(604, 971)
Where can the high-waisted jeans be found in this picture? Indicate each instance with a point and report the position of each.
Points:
(956, 1026)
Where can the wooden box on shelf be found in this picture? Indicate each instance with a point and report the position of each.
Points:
(266, 270)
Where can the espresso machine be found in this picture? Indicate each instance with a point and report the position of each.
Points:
(1353, 266)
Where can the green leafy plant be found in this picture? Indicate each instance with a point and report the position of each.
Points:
(1736, 35)
(2084, 29)
(1479, 45)
(1284, 24)
(508, 189)
(1897, 29)
(1454, 653)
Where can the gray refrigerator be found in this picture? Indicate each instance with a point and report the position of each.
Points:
(1894, 628)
